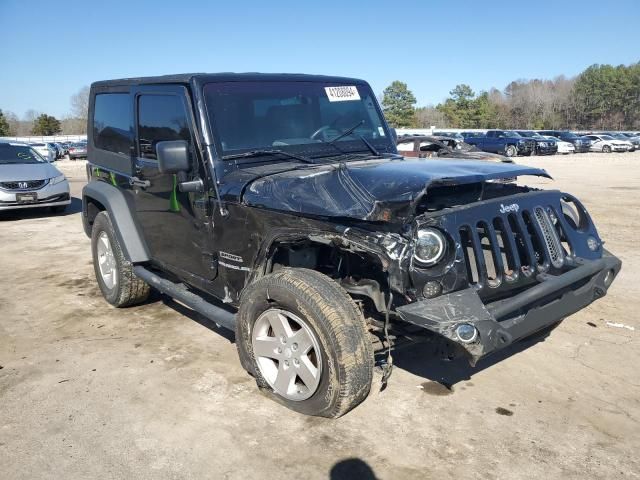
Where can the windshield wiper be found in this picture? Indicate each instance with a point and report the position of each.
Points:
(347, 132)
(371, 148)
(258, 153)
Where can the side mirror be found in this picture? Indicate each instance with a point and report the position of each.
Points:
(394, 135)
(173, 156)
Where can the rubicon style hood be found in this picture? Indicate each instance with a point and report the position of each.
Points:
(370, 189)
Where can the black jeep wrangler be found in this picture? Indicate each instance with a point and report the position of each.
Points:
(278, 207)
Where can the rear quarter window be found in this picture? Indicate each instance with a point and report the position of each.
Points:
(113, 123)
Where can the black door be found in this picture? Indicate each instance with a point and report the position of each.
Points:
(174, 224)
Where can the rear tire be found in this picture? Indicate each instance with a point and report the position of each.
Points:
(336, 328)
(114, 273)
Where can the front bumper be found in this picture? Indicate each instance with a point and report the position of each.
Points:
(47, 196)
(504, 322)
(546, 150)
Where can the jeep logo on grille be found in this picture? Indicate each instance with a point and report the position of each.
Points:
(23, 185)
(514, 207)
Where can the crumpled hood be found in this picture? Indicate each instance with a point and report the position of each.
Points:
(27, 171)
(364, 189)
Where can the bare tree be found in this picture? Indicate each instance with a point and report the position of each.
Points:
(430, 116)
(80, 109)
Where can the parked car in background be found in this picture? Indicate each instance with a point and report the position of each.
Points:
(563, 147)
(65, 146)
(427, 146)
(56, 149)
(45, 151)
(456, 135)
(77, 150)
(580, 144)
(633, 138)
(472, 134)
(621, 136)
(504, 142)
(28, 180)
(608, 144)
(544, 145)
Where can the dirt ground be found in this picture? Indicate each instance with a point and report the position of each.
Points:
(88, 391)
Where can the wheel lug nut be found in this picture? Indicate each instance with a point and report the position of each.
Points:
(279, 350)
(294, 346)
(286, 363)
(296, 362)
(283, 339)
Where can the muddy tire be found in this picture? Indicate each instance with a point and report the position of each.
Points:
(511, 151)
(114, 273)
(308, 304)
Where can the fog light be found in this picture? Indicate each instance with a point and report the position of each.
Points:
(466, 333)
(431, 289)
(592, 243)
(608, 278)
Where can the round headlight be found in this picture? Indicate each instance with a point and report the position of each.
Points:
(430, 246)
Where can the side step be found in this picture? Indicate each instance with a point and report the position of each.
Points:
(195, 302)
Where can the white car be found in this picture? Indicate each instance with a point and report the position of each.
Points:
(27, 180)
(563, 147)
(608, 144)
(44, 150)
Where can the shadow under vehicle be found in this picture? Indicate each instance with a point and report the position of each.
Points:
(278, 206)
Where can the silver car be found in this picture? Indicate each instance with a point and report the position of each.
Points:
(27, 180)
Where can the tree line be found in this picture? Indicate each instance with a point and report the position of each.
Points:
(602, 97)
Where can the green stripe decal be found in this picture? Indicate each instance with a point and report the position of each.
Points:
(174, 206)
(113, 179)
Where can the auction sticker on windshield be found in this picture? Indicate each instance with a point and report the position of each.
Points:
(342, 94)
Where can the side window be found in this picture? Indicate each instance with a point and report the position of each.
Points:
(113, 123)
(160, 118)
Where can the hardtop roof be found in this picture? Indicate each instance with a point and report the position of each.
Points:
(185, 78)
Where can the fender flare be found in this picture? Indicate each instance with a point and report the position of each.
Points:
(114, 201)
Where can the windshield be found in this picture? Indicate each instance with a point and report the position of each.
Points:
(511, 133)
(606, 137)
(298, 117)
(14, 154)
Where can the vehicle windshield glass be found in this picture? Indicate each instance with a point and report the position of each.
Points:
(607, 137)
(297, 117)
(510, 133)
(570, 135)
(14, 154)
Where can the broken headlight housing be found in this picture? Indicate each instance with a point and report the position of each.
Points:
(430, 246)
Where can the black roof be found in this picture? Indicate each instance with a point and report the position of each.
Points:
(227, 77)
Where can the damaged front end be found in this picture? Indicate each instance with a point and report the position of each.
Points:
(456, 248)
(514, 265)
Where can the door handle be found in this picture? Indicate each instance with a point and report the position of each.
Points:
(136, 182)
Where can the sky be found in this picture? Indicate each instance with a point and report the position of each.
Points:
(52, 48)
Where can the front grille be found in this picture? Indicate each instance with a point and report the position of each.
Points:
(24, 185)
(516, 244)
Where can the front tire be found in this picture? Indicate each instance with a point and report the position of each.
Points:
(606, 149)
(114, 273)
(305, 341)
(511, 151)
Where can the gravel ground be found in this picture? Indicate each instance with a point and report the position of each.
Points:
(154, 391)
